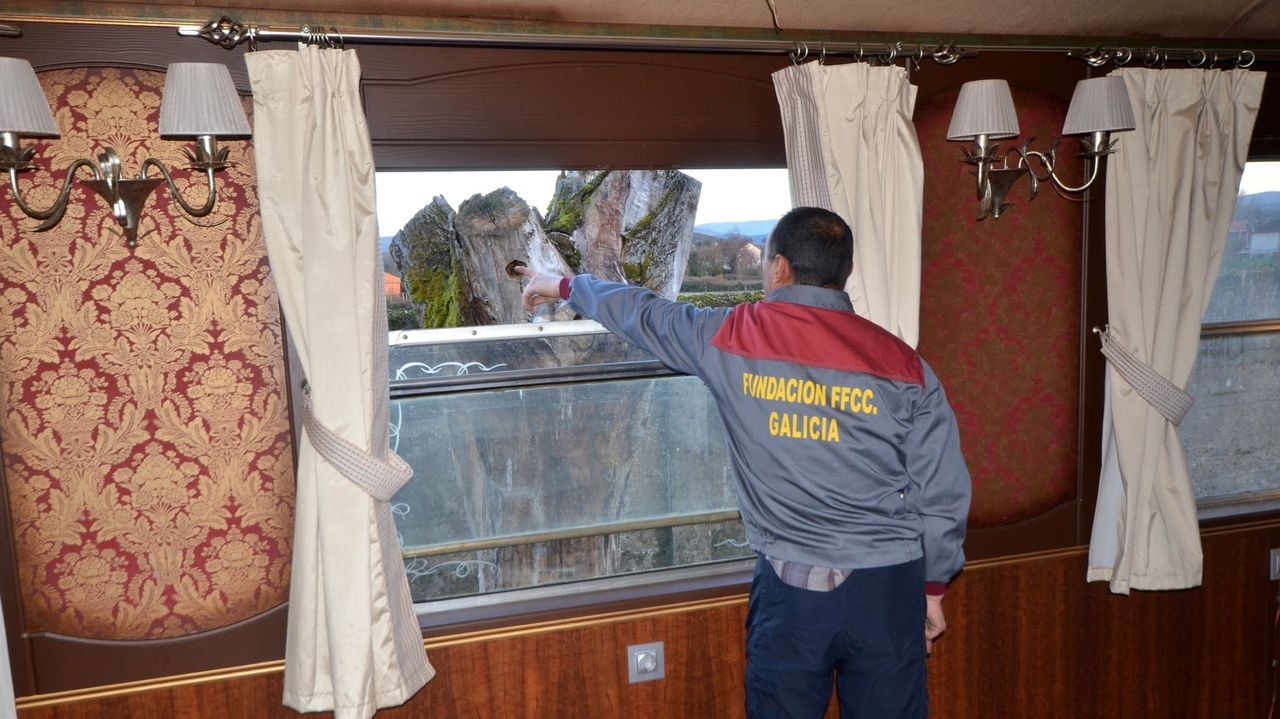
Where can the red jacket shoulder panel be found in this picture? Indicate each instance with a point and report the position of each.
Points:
(818, 337)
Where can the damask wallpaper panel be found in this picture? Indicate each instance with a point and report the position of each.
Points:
(143, 411)
(1000, 315)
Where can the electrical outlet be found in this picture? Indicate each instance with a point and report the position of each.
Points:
(645, 662)
(1275, 564)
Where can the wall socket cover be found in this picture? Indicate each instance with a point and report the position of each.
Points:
(645, 662)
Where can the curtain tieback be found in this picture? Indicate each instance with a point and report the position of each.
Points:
(1170, 400)
(379, 478)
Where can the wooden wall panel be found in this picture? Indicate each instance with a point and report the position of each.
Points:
(1028, 638)
(553, 109)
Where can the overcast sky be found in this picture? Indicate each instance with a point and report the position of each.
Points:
(727, 195)
(1260, 177)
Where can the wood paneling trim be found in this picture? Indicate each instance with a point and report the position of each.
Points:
(432, 644)
(101, 663)
(1027, 637)
(1053, 529)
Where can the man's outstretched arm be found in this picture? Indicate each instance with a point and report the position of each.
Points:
(676, 333)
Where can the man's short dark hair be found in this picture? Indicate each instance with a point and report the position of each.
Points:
(817, 243)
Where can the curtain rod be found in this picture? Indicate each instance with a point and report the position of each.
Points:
(229, 33)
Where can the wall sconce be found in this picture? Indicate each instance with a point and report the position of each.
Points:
(984, 112)
(200, 101)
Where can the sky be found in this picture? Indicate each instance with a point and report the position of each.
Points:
(727, 195)
(1260, 177)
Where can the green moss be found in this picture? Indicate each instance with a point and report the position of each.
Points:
(440, 292)
(637, 273)
(566, 212)
(564, 245)
(719, 299)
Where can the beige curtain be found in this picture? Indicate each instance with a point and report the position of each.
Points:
(852, 149)
(354, 644)
(1171, 191)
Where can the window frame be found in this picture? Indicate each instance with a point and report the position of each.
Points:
(1216, 511)
(1238, 506)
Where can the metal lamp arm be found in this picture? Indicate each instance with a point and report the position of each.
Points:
(52, 214)
(1047, 162)
(201, 211)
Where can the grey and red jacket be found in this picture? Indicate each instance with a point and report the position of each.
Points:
(845, 451)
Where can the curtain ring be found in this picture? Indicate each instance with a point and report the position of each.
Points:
(1241, 63)
(800, 53)
(314, 36)
(1122, 55)
(252, 35)
(1152, 57)
(860, 53)
(822, 56)
(891, 54)
(1199, 61)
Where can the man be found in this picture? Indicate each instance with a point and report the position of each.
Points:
(847, 463)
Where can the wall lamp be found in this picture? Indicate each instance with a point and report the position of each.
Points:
(984, 112)
(200, 101)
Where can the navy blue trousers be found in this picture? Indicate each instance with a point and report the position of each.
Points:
(866, 635)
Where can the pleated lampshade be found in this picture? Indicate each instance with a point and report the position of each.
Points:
(985, 107)
(1099, 104)
(201, 99)
(24, 110)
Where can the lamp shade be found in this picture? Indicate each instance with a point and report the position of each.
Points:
(985, 107)
(1099, 104)
(201, 99)
(24, 110)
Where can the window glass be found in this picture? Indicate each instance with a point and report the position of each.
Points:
(545, 449)
(1248, 286)
(520, 487)
(1229, 434)
(447, 237)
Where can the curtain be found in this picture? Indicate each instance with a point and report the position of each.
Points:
(354, 644)
(852, 149)
(1171, 192)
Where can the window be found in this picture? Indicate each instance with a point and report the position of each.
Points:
(1229, 435)
(545, 449)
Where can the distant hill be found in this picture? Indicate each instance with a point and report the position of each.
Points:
(755, 230)
(1261, 199)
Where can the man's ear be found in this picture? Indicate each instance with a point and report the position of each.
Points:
(780, 273)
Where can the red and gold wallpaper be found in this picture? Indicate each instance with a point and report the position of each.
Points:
(1000, 315)
(144, 421)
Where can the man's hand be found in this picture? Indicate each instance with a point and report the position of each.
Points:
(542, 288)
(934, 621)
